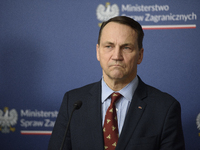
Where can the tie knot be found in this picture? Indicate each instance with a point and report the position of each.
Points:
(115, 97)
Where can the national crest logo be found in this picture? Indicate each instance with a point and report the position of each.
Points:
(106, 12)
(7, 120)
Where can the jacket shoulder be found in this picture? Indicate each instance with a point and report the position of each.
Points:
(156, 96)
(83, 92)
(150, 94)
(85, 88)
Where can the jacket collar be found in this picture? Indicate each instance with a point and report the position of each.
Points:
(133, 116)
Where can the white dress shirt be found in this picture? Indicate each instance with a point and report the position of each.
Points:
(122, 105)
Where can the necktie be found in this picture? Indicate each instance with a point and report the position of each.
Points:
(110, 129)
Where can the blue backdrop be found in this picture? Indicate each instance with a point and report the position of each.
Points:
(48, 47)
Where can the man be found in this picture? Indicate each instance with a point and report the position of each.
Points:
(147, 119)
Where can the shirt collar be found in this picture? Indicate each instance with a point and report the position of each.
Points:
(127, 91)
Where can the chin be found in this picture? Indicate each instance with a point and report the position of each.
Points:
(117, 76)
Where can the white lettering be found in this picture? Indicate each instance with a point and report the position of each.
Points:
(37, 113)
(144, 8)
(170, 17)
(33, 123)
(49, 123)
(136, 18)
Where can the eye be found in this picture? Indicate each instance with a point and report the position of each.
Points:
(108, 46)
(127, 49)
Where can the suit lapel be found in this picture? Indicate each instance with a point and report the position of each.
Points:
(133, 116)
(94, 116)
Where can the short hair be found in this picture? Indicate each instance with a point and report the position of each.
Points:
(126, 21)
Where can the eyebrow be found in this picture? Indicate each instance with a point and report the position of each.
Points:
(107, 42)
(125, 44)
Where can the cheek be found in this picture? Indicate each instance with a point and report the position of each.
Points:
(131, 62)
(104, 58)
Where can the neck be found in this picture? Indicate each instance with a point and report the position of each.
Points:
(116, 84)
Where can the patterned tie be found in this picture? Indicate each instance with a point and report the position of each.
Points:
(110, 129)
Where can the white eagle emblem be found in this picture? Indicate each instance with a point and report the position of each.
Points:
(106, 12)
(198, 121)
(7, 120)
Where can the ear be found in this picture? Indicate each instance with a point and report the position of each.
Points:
(140, 58)
(97, 52)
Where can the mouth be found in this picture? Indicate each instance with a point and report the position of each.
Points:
(117, 66)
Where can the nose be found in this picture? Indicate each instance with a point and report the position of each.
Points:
(117, 54)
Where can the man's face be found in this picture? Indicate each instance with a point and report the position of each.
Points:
(118, 52)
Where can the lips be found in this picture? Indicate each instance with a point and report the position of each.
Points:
(116, 65)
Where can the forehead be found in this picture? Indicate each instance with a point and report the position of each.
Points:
(117, 31)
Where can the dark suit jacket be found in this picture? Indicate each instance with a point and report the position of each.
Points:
(153, 121)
